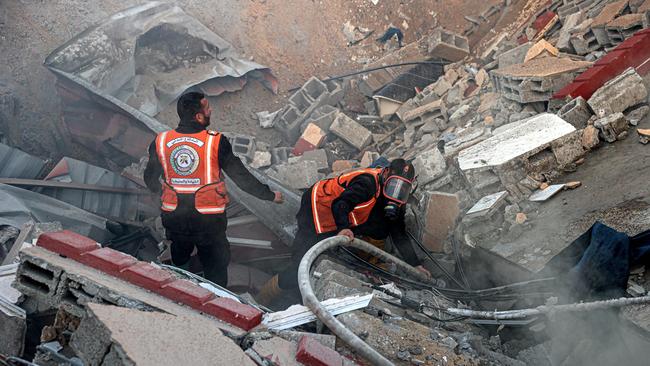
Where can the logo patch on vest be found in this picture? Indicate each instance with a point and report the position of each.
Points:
(184, 160)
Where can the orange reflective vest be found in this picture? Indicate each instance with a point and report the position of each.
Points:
(191, 166)
(326, 191)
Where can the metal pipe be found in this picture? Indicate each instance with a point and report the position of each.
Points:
(311, 301)
(544, 309)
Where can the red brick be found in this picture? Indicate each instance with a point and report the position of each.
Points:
(107, 260)
(147, 276)
(302, 146)
(312, 353)
(66, 243)
(186, 292)
(230, 311)
(543, 20)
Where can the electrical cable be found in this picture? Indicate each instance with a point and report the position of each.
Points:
(435, 261)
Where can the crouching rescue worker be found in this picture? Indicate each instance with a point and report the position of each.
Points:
(368, 203)
(190, 159)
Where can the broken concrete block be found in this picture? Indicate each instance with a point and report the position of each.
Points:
(243, 146)
(637, 114)
(277, 350)
(351, 132)
(526, 138)
(262, 159)
(297, 175)
(368, 158)
(334, 284)
(568, 149)
(429, 165)
(514, 56)
(590, 137)
(624, 27)
(447, 45)
(419, 115)
(570, 22)
(541, 49)
(280, 155)
(319, 156)
(618, 94)
(461, 116)
(440, 218)
(311, 139)
(536, 80)
(340, 166)
(322, 117)
(611, 126)
(13, 327)
(609, 12)
(130, 337)
(576, 112)
(312, 95)
(488, 102)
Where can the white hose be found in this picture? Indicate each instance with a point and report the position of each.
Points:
(310, 300)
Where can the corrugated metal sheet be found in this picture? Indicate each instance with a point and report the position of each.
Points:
(122, 205)
(15, 163)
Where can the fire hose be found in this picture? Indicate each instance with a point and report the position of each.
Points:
(311, 301)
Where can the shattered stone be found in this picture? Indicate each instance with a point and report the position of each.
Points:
(621, 136)
(461, 116)
(267, 119)
(637, 114)
(368, 158)
(590, 137)
(335, 284)
(570, 22)
(514, 56)
(611, 126)
(262, 159)
(618, 94)
(340, 166)
(449, 342)
(541, 49)
(13, 327)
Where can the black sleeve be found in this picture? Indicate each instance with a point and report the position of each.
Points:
(361, 189)
(402, 241)
(236, 170)
(153, 171)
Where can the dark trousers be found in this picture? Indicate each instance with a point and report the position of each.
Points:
(306, 238)
(187, 228)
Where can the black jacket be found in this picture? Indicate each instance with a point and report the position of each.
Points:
(359, 190)
(230, 164)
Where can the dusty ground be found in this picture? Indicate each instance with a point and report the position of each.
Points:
(296, 39)
(614, 190)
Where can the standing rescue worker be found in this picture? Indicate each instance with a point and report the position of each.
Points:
(190, 159)
(369, 203)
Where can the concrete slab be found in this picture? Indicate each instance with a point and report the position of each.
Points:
(139, 337)
(515, 142)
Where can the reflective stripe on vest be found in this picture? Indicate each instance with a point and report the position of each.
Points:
(191, 166)
(326, 191)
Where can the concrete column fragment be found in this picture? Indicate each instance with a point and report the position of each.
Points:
(618, 94)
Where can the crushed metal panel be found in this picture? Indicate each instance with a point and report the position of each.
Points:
(18, 206)
(15, 163)
(147, 55)
(122, 205)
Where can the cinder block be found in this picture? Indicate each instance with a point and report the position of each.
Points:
(623, 27)
(243, 146)
(312, 353)
(447, 45)
(66, 243)
(186, 292)
(280, 155)
(289, 123)
(609, 13)
(322, 117)
(107, 260)
(576, 112)
(424, 113)
(37, 278)
(351, 132)
(233, 312)
(147, 276)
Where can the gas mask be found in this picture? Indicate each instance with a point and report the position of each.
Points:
(396, 190)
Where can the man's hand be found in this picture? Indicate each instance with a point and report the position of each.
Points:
(347, 233)
(278, 197)
(424, 271)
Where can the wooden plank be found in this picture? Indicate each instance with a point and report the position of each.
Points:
(18, 243)
(67, 185)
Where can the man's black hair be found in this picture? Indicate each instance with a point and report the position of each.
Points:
(189, 104)
(402, 168)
